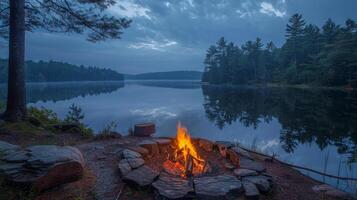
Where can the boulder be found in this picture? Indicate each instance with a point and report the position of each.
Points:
(151, 146)
(43, 167)
(244, 172)
(205, 144)
(217, 187)
(170, 187)
(141, 177)
(135, 162)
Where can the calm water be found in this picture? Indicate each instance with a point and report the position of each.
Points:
(311, 128)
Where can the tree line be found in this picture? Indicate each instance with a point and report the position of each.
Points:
(53, 71)
(325, 56)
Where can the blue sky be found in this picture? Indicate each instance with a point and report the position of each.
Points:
(168, 35)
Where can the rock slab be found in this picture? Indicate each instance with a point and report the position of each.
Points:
(7, 148)
(142, 176)
(244, 172)
(251, 191)
(246, 163)
(170, 187)
(43, 166)
(263, 183)
(217, 187)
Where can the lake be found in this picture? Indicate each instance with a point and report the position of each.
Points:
(308, 127)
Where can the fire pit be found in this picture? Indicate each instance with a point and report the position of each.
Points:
(185, 167)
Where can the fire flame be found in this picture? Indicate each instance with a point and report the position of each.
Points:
(186, 156)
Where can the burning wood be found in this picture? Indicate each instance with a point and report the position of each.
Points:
(186, 162)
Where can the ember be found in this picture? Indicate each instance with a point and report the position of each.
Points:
(185, 162)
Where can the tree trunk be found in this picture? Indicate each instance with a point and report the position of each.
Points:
(16, 97)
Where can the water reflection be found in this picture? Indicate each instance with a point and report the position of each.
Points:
(60, 91)
(324, 117)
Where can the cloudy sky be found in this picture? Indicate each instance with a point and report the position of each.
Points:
(171, 35)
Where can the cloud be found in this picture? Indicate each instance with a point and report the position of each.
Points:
(269, 9)
(128, 8)
(154, 112)
(153, 45)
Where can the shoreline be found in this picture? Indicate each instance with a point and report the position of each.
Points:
(298, 184)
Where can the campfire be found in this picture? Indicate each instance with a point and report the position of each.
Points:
(185, 160)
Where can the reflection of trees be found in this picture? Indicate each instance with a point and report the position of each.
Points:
(325, 117)
(65, 90)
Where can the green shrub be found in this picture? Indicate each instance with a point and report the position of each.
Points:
(42, 116)
(75, 114)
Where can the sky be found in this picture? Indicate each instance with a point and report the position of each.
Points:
(168, 35)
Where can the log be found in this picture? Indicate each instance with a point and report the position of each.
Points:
(144, 129)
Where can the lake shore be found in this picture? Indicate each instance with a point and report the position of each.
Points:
(100, 176)
(282, 85)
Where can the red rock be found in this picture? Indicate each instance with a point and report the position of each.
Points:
(233, 157)
(205, 144)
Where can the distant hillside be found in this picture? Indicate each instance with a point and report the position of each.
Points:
(59, 71)
(172, 75)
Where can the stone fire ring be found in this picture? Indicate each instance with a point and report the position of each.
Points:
(249, 179)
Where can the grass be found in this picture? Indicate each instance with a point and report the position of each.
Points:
(108, 132)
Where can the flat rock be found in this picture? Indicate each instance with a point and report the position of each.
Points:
(150, 145)
(142, 176)
(7, 148)
(16, 157)
(50, 154)
(43, 166)
(246, 163)
(244, 172)
(217, 187)
(126, 153)
(263, 183)
(169, 187)
(140, 150)
(250, 190)
(124, 167)
(135, 162)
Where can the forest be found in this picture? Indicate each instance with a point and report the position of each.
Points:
(53, 71)
(311, 55)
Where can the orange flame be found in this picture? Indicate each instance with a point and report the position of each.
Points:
(186, 148)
